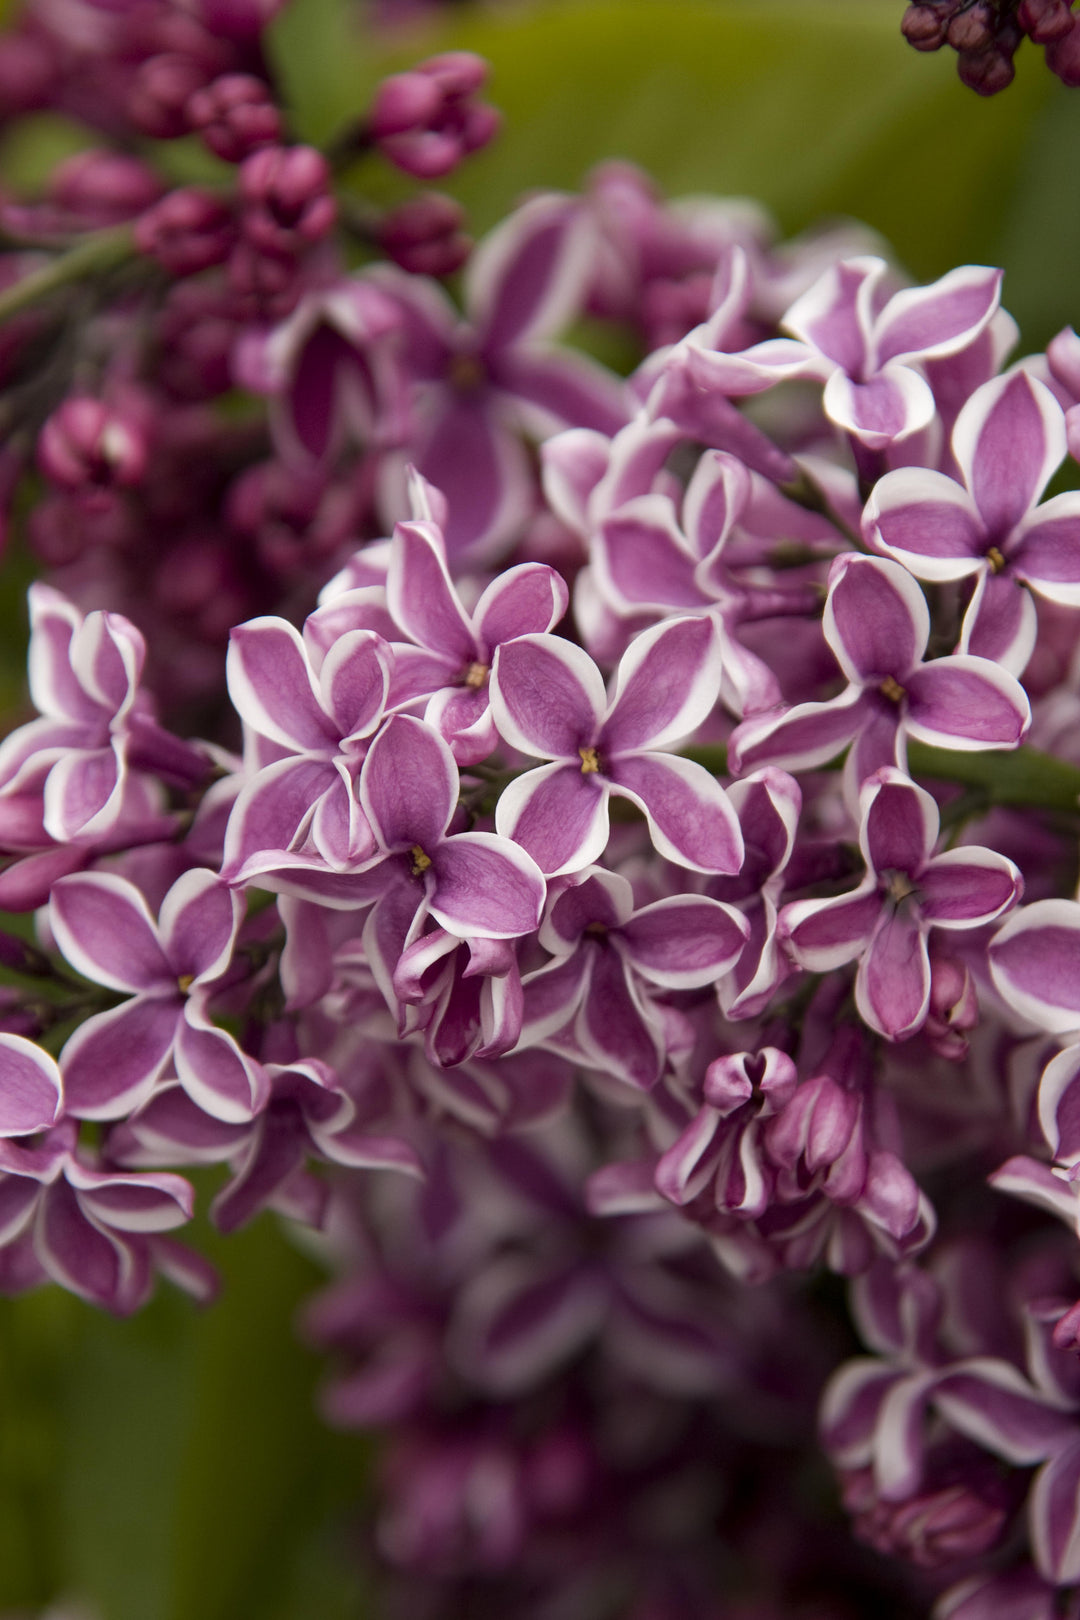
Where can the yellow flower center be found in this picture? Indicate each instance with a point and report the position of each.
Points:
(892, 689)
(590, 760)
(420, 861)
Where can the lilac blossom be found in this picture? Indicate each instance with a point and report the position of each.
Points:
(548, 699)
(907, 891)
(877, 624)
(115, 1059)
(865, 345)
(1008, 441)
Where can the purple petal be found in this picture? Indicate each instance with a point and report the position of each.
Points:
(925, 323)
(876, 619)
(31, 1090)
(84, 793)
(199, 918)
(104, 928)
(642, 559)
(900, 823)
(667, 684)
(1001, 622)
(273, 813)
(277, 1150)
(77, 1254)
(756, 369)
(927, 522)
(892, 988)
(824, 934)
(528, 277)
(716, 497)
(482, 469)
(463, 719)
(552, 995)
(1059, 1105)
(133, 1202)
(547, 696)
(527, 600)
(691, 821)
(54, 688)
(355, 681)
(562, 390)
(573, 464)
(107, 654)
(967, 887)
(685, 941)
(1035, 964)
(558, 814)
(518, 1324)
(214, 1072)
(422, 597)
(1008, 441)
(686, 1168)
(1037, 1184)
(891, 406)
(993, 1404)
(1054, 1517)
(486, 885)
(807, 735)
(850, 1407)
(966, 703)
(272, 686)
(596, 898)
(113, 1061)
(613, 1028)
(836, 313)
(409, 785)
(1046, 551)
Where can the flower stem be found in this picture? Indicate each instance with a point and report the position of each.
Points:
(97, 253)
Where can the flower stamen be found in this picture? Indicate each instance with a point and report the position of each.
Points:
(891, 688)
(420, 861)
(590, 760)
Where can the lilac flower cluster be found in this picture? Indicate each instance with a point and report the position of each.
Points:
(618, 876)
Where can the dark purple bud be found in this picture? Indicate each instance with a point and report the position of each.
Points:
(1063, 56)
(236, 116)
(87, 443)
(187, 231)
(103, 188)
(197, 334)
(1045, 20)
(986, 71)
(425, 236)
(269, 284)
(287, 201)
(924, 26)
(159, 96)
(974, 29)
(63, 527)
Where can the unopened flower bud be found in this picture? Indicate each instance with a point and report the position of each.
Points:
(240, 20)
(1045, 20)
(28, 70)
(187, 231)
(924, 26)
(103, 188)
(986, 71)
(159, 96)
(286, 193)
(424, 235)
(973, 29)
(426, 121)
(1063, 56)
(87, 443)
(236, 116)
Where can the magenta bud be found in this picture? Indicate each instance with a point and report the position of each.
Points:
(424, 235)
(457, 73)
(187, 231)
(727, 1084)
(240, 20)
(236, 116)
(286, 192)
(87, 443)
(104, 187)
(28, 70)
(973, 29)
(159, 96)
(952, 993)
(403, 102)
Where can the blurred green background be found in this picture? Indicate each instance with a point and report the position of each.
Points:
(172, 1467)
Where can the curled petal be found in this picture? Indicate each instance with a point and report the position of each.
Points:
(134, 1202)
(82, 1257)
(891, 406)
(198, 919)
(900, 822)
(876, 619)
(1008, 441)
(1001, 622)
(527, 600)
(84, 792)
(892, 988)
(1054, 1517)
(799, 738)
(273, 688)
(993, 1404)
(528, 277)
(1059, 1105)
(1046, 551)
(824, 934)
(113, 1061)
(927, 522)
(355, 681)
(213, 1070)
(968, 887)
(421, 595)
(927, 323)
(966, 703)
